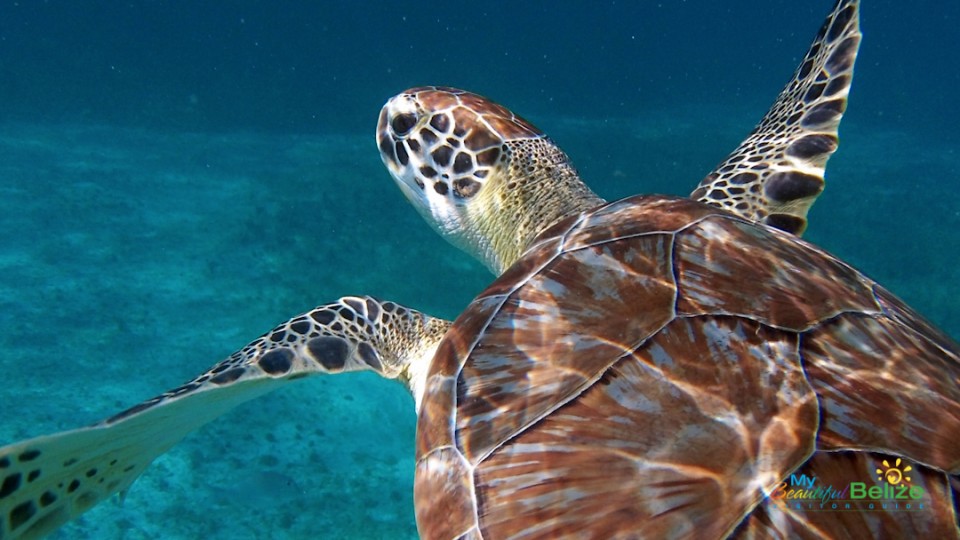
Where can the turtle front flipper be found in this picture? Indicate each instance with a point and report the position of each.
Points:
(47, 481)
(776, 174)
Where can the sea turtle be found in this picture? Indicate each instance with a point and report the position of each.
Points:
(651, 367)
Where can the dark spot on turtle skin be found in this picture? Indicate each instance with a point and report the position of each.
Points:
(86, 499)
(33, 475)
(228, 376)
(792, 185)
(837, 85)
(441, 188)
(355, 305)
(91, 473)
(389, 306)
(462, 163)
(277, 361)
(278, 336)
(4, 462)
(428, 136)
(488, 157)
(21, 514)
(483, 174)
(743, 178)
(373, 310)
(402, 153)
(812, 145)
(74, 484)
(440, 122)
(413, 145)
(442, 156)
(403, 123)
(301, 327)
(346, 314)
(823, 113)
(428, 171)
(10, 484)
(840, 23)
(480, 138)
(814, 92)
(369, 355)
(71, 462)
(786, 222)
(454, 143)
(330, 352)
(465, 187)
(805, 68)
(48, 498)
(842, 57)
(323, 316)
(29, 455)
(386, 148)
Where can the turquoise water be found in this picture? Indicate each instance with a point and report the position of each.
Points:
(176, 180)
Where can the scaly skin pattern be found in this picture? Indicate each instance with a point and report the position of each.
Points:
(489, 181)
(486, 179)
(47, 481)
(776, 174)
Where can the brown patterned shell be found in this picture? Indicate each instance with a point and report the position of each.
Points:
(654, 367)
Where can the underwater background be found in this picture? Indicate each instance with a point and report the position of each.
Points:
(177, 177)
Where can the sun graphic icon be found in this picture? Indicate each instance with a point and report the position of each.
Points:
(894, 475)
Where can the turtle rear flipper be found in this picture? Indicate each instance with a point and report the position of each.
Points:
(47, 481)
(776, 174)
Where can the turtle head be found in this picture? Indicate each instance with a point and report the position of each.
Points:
(469, 166)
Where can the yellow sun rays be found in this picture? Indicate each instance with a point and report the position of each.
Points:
(894, 474)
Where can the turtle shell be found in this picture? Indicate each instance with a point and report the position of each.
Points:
(657, 367)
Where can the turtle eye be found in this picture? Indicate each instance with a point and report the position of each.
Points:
(403, 123)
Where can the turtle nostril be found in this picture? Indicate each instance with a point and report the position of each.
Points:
(403, 123)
